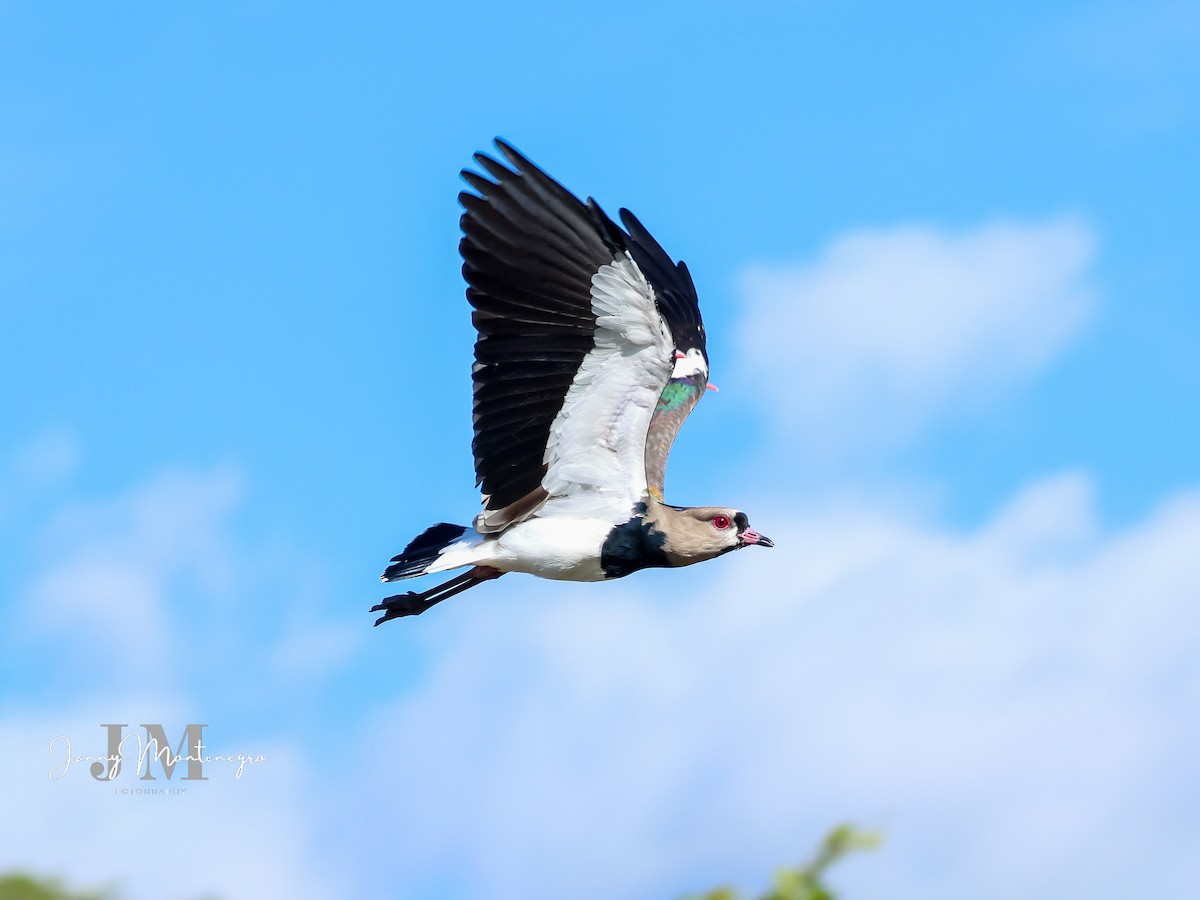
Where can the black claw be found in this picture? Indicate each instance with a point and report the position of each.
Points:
(413, 604)
(409, 604)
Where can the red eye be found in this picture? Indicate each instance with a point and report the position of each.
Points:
(721, 522)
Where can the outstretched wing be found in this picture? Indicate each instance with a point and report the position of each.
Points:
(574, 348)
(676, 296)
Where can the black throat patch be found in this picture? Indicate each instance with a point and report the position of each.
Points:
(633, 545)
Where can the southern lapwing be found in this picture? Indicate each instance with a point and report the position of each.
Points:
(590, 354)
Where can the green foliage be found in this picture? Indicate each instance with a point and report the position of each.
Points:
(22, 886)
(806, 882)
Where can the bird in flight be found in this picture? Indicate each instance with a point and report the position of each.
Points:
(590, 354)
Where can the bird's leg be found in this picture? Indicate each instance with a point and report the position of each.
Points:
(413, 603)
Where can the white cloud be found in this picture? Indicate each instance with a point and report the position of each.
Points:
(110, 568)
(151, 583)
(133, 610)
(226, 837)
(887, 329)
(1013, 706)
(312, 651)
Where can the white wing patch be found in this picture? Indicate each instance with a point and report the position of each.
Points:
(597, 446)
(691, 363)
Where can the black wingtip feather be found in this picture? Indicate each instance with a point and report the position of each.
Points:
(511, 153)
(614, 237)
(673, 286)
(478, 182)
(494, 167)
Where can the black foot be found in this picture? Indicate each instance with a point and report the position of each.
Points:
(413, 604)
(409, 604)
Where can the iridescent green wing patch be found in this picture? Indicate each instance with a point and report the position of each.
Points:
(674, 405)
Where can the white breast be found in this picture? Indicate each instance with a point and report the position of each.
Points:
(564, 549)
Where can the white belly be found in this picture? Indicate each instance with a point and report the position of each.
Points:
(562, 549)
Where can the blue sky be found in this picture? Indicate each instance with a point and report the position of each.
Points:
(946, 260)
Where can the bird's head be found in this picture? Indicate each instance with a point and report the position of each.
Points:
(696, 533)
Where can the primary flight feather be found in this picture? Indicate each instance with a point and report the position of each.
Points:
(590, 354)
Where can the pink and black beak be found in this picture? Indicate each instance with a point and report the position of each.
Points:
(747, 536)
(751, 537)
